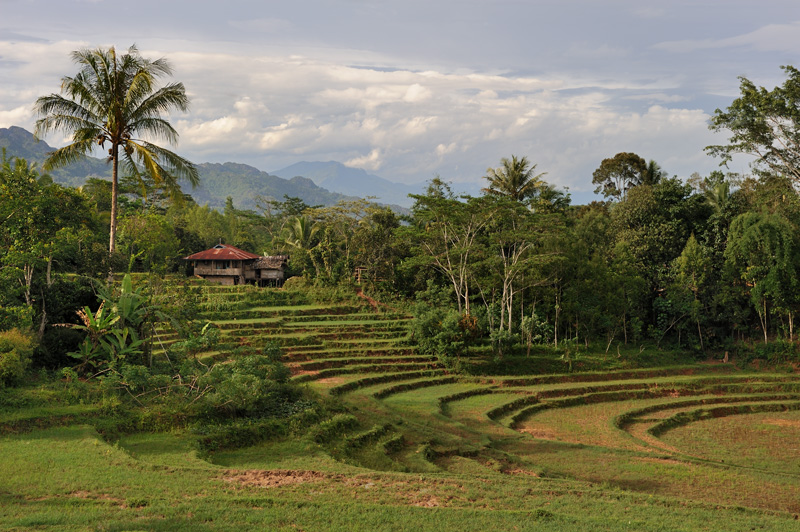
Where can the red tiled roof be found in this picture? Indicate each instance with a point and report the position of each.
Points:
(223, 252)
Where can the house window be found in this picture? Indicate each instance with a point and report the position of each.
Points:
(222, 264)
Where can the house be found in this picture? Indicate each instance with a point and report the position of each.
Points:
(230, 265)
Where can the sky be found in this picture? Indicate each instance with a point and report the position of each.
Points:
(410, 89)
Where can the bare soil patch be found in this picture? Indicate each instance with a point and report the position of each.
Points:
(330, 380)
(274, 478)
(542, 434)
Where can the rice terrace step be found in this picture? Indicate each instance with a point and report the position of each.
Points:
(559, 436)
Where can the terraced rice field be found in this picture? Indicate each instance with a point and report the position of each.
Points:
(702, 447)
(649, 430)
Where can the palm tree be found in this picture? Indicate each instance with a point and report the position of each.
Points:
(514, 179)
(299, 233)
(653, 173)
(114, 99)
(718, 195)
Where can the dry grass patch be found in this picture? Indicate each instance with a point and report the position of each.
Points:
(274, 478)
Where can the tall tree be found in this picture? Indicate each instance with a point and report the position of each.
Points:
(448, 232)
(764, 124)
(615, 176)
(515, 179)
(762, 257)
(115, 99)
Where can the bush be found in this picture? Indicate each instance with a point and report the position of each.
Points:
(776, 352)
(440, 330)
(250, 386)
(16, 349)
(333, 428)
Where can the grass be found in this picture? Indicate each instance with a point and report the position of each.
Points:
(421, 449)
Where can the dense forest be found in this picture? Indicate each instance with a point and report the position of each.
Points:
(699, 265)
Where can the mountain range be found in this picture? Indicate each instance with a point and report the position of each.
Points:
(353, 181)
(314, 183)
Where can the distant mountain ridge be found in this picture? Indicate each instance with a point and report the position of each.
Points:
(19, 142)
(243, 183)
(352, 181)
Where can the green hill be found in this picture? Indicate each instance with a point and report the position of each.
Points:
(241, 182)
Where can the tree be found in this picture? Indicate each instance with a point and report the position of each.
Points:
(615, 176)
(515, 254)
(514, 179)
(378, 248)
(114, 99)
(655, 222)
(764, 124)
(35, 214)
(299, 235)
(762, 257)
(653, 174)
(448, 231)
(690, 273)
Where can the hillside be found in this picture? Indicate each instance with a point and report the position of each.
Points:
(243, 183)
(218, 181)
(19, 142)
(621, 447)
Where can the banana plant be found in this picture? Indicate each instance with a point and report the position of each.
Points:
(97, 325)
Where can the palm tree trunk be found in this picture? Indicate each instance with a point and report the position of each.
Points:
(112, 244)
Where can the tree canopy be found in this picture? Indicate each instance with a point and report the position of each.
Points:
(618, 174)
(764, 124)
(515, 178)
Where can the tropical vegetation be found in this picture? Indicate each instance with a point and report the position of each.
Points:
(465, 365)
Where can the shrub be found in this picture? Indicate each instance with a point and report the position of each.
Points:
(249, 386)
(777, 351)
(16, 349)
(333, 428)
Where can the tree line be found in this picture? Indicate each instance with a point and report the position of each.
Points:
(697, 263)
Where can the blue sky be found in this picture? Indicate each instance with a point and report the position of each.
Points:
(411, 89)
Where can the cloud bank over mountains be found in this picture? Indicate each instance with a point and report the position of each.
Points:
(416, 90)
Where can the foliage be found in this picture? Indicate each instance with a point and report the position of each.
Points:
(250, 385)
(762, 260)
(115, 99)
(617, 175)
(438, 329)
(16, 349)
(514, 179)
(118, 330)
(765, 124)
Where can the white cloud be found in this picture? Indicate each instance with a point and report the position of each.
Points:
(417, 93)
(442, 149)
(272, 89)
(219, 132)
(372, 161)
(14, 117)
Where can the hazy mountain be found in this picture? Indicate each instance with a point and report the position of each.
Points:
(217, 181)
(244, 183)
(352, 181)
(19, 142)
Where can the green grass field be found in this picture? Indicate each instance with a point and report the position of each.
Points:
(679, 448)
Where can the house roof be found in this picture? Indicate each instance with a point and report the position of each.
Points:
(223, 252)
(274, 262)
